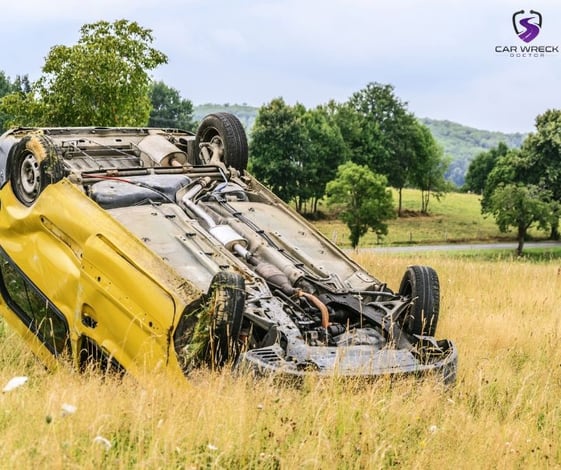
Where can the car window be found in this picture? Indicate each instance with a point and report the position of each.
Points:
(33, 307)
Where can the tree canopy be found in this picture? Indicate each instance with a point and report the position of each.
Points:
(364, 199)
(295, 151)
(169, 109)
(101, 80)
(481, 166)
(393, 142)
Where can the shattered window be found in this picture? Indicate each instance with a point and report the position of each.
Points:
(34, 309)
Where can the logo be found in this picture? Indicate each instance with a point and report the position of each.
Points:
(526, 27)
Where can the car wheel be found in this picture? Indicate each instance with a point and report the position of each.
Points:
(33, 165)
(221, 138)
(227, 301)
(421, 284)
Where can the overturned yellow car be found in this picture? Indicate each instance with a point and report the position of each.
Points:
(144, 249)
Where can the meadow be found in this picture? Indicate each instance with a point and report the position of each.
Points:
(455, 218)
(503, 412)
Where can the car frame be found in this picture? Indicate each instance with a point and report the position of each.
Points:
(146, 249)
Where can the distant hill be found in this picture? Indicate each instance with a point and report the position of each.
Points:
(462, 143)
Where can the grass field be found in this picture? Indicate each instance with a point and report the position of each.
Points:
(456, 218)
(504, 411)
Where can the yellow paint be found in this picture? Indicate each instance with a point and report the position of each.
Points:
(89, 265)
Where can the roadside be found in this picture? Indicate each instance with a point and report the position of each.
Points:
(460, 247)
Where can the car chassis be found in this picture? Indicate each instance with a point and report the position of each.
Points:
(143, 249)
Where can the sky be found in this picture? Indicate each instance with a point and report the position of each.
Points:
(439, 55)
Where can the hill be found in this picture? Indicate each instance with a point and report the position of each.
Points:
(461, 143)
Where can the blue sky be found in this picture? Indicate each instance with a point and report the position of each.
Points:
(438, 54)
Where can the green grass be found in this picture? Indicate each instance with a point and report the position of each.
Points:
(456, 218)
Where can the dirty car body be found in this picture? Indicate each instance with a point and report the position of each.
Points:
(142, 249)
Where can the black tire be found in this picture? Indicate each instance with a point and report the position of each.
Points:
(33, 164)
(421, 284)
(227, 131)
(227, 301)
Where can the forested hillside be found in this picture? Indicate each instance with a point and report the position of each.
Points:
(461, 143)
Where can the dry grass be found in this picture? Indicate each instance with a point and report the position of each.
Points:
(504, 412)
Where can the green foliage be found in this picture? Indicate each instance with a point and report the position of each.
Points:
(403, 149)
(386, 125)
(543, 155)
(276, 148)
(169, 109)
(481, 166)
(325, 148)
(463, 143)
(365, 200)
(102, 79)
(429, 166)
(519, 206)
(543, 151)
(5, 84)
(20, 86)
(295, 151)
(460, 143)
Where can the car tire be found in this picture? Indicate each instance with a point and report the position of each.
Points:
(421, 284)
(227, 131)
(226, 303)
(33, 165)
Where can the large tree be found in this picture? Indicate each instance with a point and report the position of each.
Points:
(515, 202)
(481, 166)
(325, 149)
(543, 157)
(102, 80)
(295, 151)
(428, 167)
(390, 134)
(519, 206)
(277, 148)
(364, 198)
(169, 109)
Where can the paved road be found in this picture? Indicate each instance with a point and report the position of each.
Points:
(462, 247)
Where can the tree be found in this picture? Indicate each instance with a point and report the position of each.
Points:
(169, 109)
(325, 149)
(481, 166)
(277, 148)
(102, 80)
(17, 105)
(519, 205)
(6, 87)
(543, 152)
(390, 131)
(429, 167)
(515, 202)
(365, 200)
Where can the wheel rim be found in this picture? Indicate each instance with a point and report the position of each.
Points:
(30, 177)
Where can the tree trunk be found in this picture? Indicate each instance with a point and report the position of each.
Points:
(554, 234)
(399, 202)
(521, 238)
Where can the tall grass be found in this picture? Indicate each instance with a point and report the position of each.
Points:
(504, 411)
